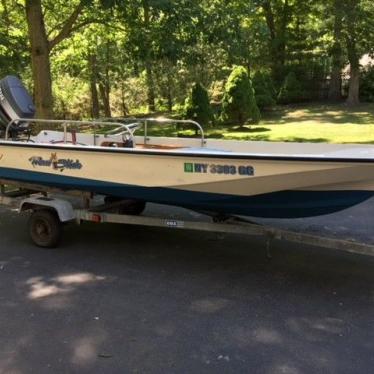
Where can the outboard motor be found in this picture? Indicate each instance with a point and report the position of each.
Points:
(15, 102)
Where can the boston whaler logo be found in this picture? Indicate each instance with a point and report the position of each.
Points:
(55, 162)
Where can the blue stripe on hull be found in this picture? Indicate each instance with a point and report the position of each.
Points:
(283, 204)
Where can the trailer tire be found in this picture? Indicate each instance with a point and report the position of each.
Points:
(128, 207)
(132, 207)
(45, 228)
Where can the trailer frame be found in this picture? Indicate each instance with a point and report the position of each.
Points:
(56, 211)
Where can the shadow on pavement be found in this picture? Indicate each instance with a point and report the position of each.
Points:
(120, 299)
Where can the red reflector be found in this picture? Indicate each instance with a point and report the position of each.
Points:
(96, 218)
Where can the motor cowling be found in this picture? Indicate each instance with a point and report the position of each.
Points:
(15, 102)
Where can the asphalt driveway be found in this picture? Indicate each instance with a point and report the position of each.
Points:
(117, 299)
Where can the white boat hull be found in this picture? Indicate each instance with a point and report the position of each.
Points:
(264, 185)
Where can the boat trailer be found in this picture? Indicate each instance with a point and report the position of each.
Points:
(51, 208)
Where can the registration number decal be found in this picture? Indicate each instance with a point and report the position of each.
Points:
(190, 167)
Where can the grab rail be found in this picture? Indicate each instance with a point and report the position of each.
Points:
(126, 128)
(66, 123)
(180, 121)
(147, 121)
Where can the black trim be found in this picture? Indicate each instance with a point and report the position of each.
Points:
(189, 154)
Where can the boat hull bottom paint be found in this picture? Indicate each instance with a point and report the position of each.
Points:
(283, 204)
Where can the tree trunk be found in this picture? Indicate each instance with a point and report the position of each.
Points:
(354, 86)
(105, 99)
(169, 93)
(335, 89)
(170, 101)
(108, 112)
(40, 51)
(278, 38)
(125, 110)
(353, 54)
(41, 69)
(150, 86)
(147, 61)
(354, 60)
(95, 109)
(104, 85)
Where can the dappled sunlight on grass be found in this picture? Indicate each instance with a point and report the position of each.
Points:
(305, 132)
(316, 123)
(308, 123)
(321, 114)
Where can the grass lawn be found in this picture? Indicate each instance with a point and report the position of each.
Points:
(300, 123)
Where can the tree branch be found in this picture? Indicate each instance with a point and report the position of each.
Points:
(269, 17)
(68, 26)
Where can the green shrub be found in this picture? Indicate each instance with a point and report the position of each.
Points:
(264, 101)
(239, 103)
(291, 90)
(197, 106)
(264, 90)
(367, 85)
(270, 85)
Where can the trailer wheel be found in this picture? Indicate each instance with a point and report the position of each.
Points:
(132, 207)
(45, 228)
(128, 206)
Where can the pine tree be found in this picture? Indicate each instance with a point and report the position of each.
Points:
(291, 90)
(264, 90)
(197, 105)
(239, 103)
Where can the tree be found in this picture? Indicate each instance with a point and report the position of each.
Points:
(13, 40)
(264, 90)
(239, 104)
(41, 46)
(148, 53)
(198, 106)
(92, 64)
(335, 87)
(155, 32)
(277, 15)
(359, 38)
(367, 84)
(291, 90)
(351, 10)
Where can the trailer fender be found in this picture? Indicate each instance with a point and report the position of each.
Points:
(63, 208)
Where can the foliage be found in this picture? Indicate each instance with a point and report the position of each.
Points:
(71, 98)
(291, 90)
(367, 85)
(197, 105)
(239, 103)
(120, 57)
(14, 57)
(264, 90)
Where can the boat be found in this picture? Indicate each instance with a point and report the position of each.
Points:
(120, 160)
